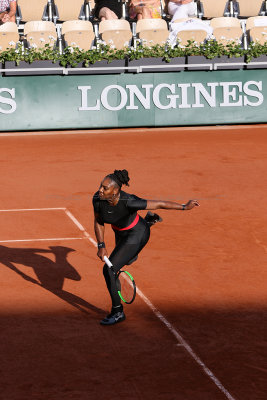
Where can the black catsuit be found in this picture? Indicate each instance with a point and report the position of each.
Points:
(129, 242)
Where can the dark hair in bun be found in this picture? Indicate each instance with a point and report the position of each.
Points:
(120, 177)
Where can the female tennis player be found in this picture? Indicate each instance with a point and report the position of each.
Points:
(118, 208)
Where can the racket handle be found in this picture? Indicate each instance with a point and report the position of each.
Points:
(108, 262)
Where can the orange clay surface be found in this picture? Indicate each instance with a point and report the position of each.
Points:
(205, 270)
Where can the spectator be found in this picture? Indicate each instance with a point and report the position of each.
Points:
(108, 9)
(188, 25)
(144, 9)
(179, 9)
(7, 11)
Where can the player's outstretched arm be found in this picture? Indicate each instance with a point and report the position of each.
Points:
(170, 205)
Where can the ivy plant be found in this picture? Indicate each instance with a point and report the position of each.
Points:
(72, 56)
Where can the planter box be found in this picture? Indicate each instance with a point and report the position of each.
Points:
(28, 69)
(223, 62)
(175, 64)
(261, 59)
(229, 62)
(156, 64)
(99, 67)
(201, 63)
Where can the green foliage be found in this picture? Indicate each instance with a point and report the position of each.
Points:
(72, 56)
(256, 50)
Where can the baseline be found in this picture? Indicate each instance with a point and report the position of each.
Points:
(33, 209)
(158, 314)
(38, 240)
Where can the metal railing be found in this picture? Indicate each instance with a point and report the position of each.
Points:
(137, 69)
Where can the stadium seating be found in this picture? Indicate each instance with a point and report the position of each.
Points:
(9, 35)
(32, 10)
(67, 10)
(257, 29)
(116, 32)
(196, 35)
(152, 31)
(185, 19)
(214, 8)
(40, 33)
(250, 8)
(78, 34)
(226, 29)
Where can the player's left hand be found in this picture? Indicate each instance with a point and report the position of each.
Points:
(191, 204)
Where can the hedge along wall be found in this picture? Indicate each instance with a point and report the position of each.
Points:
(132, 100)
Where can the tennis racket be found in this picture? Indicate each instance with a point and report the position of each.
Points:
(125, 284)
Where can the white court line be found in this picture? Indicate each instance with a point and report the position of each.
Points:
(77, 223)
(36, 240)
(170, 327)
(34, 209)
(259, 243)
(39, 240)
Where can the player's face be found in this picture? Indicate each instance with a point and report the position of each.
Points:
(107, 189)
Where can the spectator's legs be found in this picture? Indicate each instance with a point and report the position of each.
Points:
(181, 11)
(143, 12)
(106, 13)
(146, 13)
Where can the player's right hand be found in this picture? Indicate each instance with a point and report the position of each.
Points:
(102, 253)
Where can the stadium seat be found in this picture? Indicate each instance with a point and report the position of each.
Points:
(185, 19)
(68, 10)
(40, 33)
(78, 34)
(226, 30)
(249, 8)
(196, 35)
(116, 32)
(257, 29)
(32, 10)
(9, 36)
(214, 8)
(152, 31)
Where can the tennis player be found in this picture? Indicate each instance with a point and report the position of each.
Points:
(118, 208)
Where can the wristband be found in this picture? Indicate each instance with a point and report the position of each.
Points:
(183, 205)
(101, 245)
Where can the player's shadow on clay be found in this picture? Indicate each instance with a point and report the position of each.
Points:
(51, 274)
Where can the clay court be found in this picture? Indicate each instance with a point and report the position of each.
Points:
(197, 329)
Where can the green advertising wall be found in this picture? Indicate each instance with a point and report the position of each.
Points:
(132, 100)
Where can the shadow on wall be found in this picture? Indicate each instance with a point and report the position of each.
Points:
(51, 274)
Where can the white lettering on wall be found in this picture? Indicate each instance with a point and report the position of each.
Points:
(144, 99)
(253, 93)
(85, 107)
(104, 98)
(209, 97)
(184, 96)
(9, 101)
(165, 96)
(172, 97)
(231, 94)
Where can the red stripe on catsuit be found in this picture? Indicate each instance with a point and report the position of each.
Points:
(135, 221)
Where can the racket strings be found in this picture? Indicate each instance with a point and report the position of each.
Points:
(126, 286)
